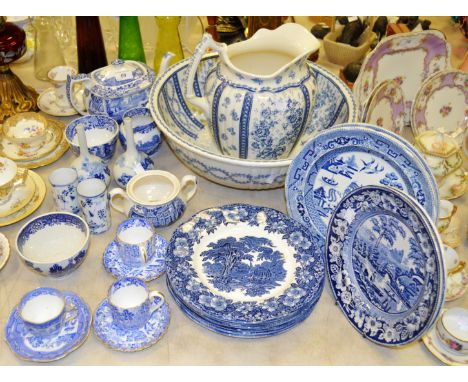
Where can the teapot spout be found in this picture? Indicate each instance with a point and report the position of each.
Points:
(165, 62)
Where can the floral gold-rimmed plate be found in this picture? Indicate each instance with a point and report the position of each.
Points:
(457, 284)
(4, 250)
(131, 340)
(47, 102)
(408, 58)
(385, 265)
(21, 196)
(32, 206)
(386, 107)
(349, 156)
(48, 347)
(442, 103)
(24, 153)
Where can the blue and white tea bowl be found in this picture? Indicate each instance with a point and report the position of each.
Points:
(53, 244)
(191, 140)
(101, 135)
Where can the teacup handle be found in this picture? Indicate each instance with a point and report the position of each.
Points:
(71, 312)
(21, 175)
(185, 194)
(127, 203)
(69, 87)
(458, 268)
(205, 43)
(155, 293)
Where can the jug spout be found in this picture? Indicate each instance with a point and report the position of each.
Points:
(165, 62)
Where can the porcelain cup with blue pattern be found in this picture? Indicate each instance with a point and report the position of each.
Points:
(155, 195)
(45, 310)
(94, 201)
(132, 303)
(135, 240)
(64, 182)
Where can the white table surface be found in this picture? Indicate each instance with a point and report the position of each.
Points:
(324, 338)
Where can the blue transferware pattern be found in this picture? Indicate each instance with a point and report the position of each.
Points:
(147, 136)
(89, 168)
(123, 172)
(385, 265)
(66, 199)
(106, 150)
(130, 340)
(96, 211)
(347, 157)
(61, 268)
(44, 347)
(160, 216)
(155, 266)
(112, 90)
(268, 285)
(192, 142)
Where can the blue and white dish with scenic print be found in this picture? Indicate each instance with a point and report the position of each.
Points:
(191, 140)
(101, 135)
(131, 339)
(245, 266)
(147, 136)
(44, 346)
(385, 265)
(53, 244)
(350, 156)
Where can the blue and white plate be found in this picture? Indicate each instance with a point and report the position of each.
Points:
(131, 340)
(32, 346)
(385, 265)
(349, 156)
(154, 268)
(244, 265)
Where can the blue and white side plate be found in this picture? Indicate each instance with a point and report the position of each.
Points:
(245, 264)
(131, 340)
(348, 156)
(154, 268)
(385, 265)
(45, 347)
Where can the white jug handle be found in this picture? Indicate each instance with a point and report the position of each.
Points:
(206, 42)
(154, 294)
(126, 204)
(186, 195)
(71, 98)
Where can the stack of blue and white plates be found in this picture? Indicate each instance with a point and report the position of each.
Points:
(245, 271)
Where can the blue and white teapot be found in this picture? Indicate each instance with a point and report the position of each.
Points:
(261, 94)
(113, 89)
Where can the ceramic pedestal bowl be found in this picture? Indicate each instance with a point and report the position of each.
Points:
(53, 244)
(189, 137)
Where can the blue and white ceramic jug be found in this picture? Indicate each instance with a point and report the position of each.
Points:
(261, 94)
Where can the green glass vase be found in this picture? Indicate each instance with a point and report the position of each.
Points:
(130, 44)
(168, 40)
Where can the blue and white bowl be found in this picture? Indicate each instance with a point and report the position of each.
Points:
(101, 135)
(53, 244)
(191, 140)
(146, 134)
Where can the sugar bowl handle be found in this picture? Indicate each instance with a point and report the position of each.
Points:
(188, 187)
(124, 207)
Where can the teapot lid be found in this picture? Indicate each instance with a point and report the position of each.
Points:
(121, 78)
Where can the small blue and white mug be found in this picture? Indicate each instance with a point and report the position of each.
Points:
(94, 201)
(64, 182)
(45, 310)
(131, 302)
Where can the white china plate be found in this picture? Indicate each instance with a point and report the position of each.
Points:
(457, 284)
(4, 250)
(19, 198)
(47, 103)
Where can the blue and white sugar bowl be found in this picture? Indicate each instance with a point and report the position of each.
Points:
(155, 195)
(113, 89)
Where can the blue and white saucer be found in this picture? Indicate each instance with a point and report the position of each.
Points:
(154, 268)
(131, 340)
(36, 347)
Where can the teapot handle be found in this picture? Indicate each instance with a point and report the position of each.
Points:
(70, 81)
(206, 42)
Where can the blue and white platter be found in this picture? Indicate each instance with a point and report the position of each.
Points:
(155, 266)
(385, 265)
(346, 157)
(131, 340)
(245, 267)
(46, 347)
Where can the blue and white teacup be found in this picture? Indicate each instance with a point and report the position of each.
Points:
(131, 302)
(45, 310)
(135, 240)
(155, 195)
(146, 134)
(64, 182)
(94, 201)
